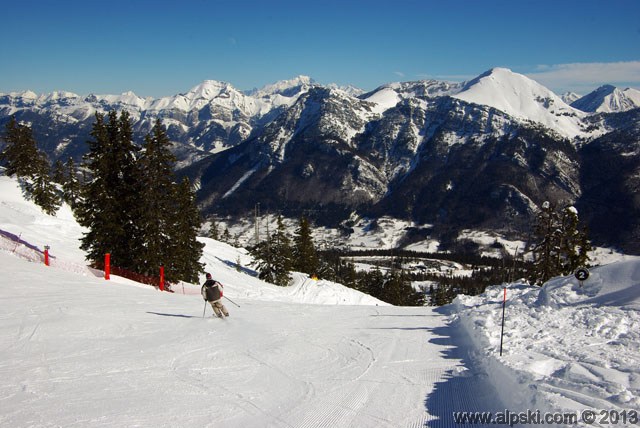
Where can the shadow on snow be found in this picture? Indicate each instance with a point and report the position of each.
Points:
(463, 388)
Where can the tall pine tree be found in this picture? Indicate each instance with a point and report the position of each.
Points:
(21, 150)
(274, 257)
(559, 247)
(110, 195)
(305, 256)
(185, 223)
(156, 204)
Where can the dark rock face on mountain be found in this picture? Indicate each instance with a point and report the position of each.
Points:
(610, 183)
(450, 155)
(444, 162)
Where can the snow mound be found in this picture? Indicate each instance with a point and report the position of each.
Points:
(566, 347)
(615, 285)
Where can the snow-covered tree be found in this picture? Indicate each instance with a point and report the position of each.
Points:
(559, 246)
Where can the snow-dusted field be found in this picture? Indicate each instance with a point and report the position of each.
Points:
(79, 351)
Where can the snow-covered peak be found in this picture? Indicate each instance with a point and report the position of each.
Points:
(25, 95)
(126, 98)
(570, 97)
(522, 98)
(291, 88)
(208, 90)
(60, 95)
(609, 99)
(387, 96)
(383, 98)
(348, 89)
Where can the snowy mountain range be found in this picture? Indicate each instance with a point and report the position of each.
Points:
(483, 153)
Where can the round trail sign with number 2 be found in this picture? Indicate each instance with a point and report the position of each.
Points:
(582, 274)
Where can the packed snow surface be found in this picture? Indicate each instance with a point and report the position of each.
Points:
(566, 346)
(79, 351)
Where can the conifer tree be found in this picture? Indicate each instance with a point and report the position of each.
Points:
(264, 257)
(574, 245)
(226, 236)
(398, 290)
(21, 150)
(109, 198)
(349, 276)
(560, 247)
(372, 282)
(70, 184)
(546, 249)
(282, 254)
(30, 165)
(186, 250)
(305, 256)
(273, 257)
(155, 204)
(43, 192)
(213, 230)
(58, 172)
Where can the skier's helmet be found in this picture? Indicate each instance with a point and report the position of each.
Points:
(207, 275)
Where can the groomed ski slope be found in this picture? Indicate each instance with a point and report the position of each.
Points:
(79, 351)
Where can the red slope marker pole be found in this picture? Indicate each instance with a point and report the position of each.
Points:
(46, 255)
(107, 266)
(161, 277)
(504, 303)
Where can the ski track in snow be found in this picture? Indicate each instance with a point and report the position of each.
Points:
(86, 352)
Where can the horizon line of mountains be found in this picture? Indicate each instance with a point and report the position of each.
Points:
(481, 154)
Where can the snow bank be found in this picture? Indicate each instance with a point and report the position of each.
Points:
(566, 347)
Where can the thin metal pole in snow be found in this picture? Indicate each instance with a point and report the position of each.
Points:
(504, 303)
(231, 301)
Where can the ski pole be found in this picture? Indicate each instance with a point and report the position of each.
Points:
(204, 309)
(231, 301)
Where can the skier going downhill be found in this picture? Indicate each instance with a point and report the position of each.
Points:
(212, 292)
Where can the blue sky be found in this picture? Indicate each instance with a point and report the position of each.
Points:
(160, 47)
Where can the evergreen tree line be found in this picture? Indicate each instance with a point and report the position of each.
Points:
(393, 286)
(127, 197)
(279, 255)
(31, 166)
(559, 247)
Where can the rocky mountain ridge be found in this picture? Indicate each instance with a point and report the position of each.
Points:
(479, 154)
